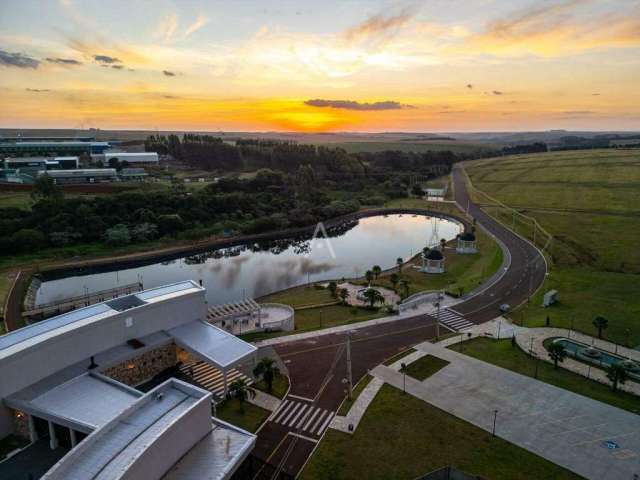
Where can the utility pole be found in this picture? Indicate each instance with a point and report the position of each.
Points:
(438, 321)
(349, 376)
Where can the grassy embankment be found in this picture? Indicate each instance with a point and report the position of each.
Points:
(589, 202)
(249, 418)
(503, 354)
(402, 437)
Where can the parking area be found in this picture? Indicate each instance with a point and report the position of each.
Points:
(593, 439)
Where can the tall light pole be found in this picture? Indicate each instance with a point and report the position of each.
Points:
(495, 417)
(349, 375)
(403, 369)
(437, 305)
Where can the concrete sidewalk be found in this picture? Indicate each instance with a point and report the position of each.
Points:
(563, 427)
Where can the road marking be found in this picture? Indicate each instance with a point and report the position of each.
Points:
(283, 410)
(311, 419)
(300, 398)
(324, 412)
(296, 407)
(295, 419)
(302, 437)
(325, 424)
(304, 417)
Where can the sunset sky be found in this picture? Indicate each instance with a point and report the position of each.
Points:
(433, 65)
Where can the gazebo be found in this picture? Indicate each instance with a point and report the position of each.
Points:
(467, 243)
(432, 261)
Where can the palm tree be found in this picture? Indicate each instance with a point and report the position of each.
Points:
(617, 374)
(376, 271)
(601, 324)
(399, 262)
(394, 279)
(333, 288)
(373, 296)
(443, 243)
(268, 371)
(557, 352)
(344, 294)
(369, 276)
(242, 391)
(404, 283)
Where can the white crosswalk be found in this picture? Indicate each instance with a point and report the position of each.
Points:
(210, 377)
(453, 320)
(302, 416)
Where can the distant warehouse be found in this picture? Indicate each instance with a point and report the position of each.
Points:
(48, 148)
(129, 157)
(81, 175)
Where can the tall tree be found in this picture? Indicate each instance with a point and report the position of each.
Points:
(557, 353)
(376, 271)
(344, 294)
(45, 188)
(394, 279)
(242, 391)
(333, 288)
(369, 276)
(617, 374)
(601, 324)
(373, 296)
(404, 283)
(399, 262)
(268, 371)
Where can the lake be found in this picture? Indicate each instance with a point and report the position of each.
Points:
(252, 270)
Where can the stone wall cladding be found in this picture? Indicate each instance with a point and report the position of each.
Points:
(144, 367)
(21, 424)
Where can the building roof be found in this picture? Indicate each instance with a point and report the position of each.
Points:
(214, 455)
(37, 332)
(65, 143)
(109, 452)
(213, 344)
(467, 236)
(434, 254)
(81, 172)
(88, 399)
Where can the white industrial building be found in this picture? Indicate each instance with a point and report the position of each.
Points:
(71, 381)
(129, 157)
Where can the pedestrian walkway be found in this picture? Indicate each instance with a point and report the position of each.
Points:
(265, 400)
(593, 439)
(453, 320)
(302, 417)
(210, 378)
(349, 423)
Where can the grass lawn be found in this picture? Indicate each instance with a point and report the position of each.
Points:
(360, 386)
(402, 437)
(279, 387)
(250, 419)
(463, 272)
(589, 202)
(503, 354)
(300, 296)
(425, 366)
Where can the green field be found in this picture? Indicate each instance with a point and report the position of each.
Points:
(419, 147)
(505, 355)
(589, 201)
(402, 437)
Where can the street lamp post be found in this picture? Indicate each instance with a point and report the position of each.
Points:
(495, 417)
(403, 368)
(438, 321)
(320, 318)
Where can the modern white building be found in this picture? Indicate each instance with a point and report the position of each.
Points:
(71, 381)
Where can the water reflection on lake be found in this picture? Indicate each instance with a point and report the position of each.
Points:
(253, 270)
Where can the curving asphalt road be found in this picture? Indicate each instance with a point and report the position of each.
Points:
(317, 366)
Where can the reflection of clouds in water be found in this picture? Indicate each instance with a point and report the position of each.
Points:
(228, 270)
(287, 273)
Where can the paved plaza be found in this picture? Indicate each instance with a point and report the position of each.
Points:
(593, 439)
